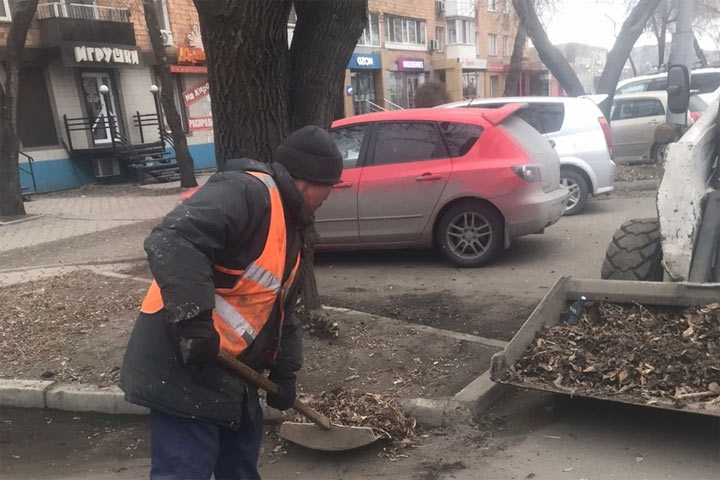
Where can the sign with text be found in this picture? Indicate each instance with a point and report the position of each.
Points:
(200, 123)
(196, 93)
(473, 63)
(188, 69)
(364, 61)
(76, 54)
(411, 64)
(190, 56)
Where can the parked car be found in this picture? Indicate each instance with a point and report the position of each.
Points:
(466, 181)
(704, 81)
(580, 134)
(634, 118)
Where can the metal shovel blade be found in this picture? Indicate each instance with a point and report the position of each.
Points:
(336, 439)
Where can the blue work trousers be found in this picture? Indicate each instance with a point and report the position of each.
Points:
(191, 449)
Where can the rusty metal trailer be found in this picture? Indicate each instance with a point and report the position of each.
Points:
(566, 290)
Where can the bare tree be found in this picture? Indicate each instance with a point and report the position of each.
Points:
(11, 201)
(182, 154)
(699, 52)
(512, 79)
(262, 89)
(549, 54)
(431, 94)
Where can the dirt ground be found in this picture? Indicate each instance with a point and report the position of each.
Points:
(630, 173)
(75, 327)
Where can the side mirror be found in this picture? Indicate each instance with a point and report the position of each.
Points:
(678, 89)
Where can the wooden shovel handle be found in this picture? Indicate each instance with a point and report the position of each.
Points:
(261, 381)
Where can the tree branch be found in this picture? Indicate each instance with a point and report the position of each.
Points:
(550, 55)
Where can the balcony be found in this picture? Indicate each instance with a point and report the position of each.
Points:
(72, 22)
(459, 9)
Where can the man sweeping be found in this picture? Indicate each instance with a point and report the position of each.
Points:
(225, 265)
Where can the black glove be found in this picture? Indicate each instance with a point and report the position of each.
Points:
(199, 341)
(285, 397)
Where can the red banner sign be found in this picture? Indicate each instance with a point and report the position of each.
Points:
(200, 123)
(196, 93)
(188, 69)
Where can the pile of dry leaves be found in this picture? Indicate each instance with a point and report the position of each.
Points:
(652, 352)
(358, 409)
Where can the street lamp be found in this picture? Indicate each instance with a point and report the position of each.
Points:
(155, 90)
(105, 91)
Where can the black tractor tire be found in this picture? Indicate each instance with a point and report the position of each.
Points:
(635, 252)
(495, 225)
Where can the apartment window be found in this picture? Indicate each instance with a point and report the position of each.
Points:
(4, 11)
(461, 32)
(405, 31)
(506, 46)
(162, 14)
(371, 34)
(506, 6)
(492, 44)
(440, 37)
(492, 5)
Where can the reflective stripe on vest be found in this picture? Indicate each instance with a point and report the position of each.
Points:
(242, 311)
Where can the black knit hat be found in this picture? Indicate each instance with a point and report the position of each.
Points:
(311, 154)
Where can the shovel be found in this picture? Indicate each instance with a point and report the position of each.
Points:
(323, 435)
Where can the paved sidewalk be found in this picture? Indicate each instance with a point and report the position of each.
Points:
(69, 217)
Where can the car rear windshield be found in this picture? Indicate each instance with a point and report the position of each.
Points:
(697, 104)
(544, 117)
(460, 137)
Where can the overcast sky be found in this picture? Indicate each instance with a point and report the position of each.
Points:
(586, 21)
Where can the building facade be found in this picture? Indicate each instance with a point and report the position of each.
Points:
(465, 44)
(89, 68)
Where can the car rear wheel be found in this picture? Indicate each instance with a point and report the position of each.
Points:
(470, 234)
(578, 188)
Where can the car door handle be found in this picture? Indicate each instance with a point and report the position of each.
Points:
(342, 185)
(654, 122)
(428, 177)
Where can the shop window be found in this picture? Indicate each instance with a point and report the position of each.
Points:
(469, 85)
(180, 102)
(349, 142)
(36, 122)
(371, 34)
(461, 32)
(492, 44)
(405, 31)
(460, 137)
(407, 142)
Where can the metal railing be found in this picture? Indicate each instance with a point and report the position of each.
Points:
(82, 12)
(29, 170)
(374, 107)
(392, 106)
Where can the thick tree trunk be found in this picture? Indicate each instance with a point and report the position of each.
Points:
(550, 55)
(700, 55)
(182, 154)
(247, 55)
(317, 65)
(317, 68)
(662, 38)
(11, 202)
(512, 80)
(631, 29)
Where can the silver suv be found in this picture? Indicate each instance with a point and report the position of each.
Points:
(580, 134)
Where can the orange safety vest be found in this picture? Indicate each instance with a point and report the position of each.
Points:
(242, 311)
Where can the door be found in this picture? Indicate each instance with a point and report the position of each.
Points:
(336, 221)
(363, 83)
(99, 106)
(633, 124)
(407, 170)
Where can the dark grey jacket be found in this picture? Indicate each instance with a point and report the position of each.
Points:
(224, 223)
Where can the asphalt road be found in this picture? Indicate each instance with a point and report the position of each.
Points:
(492, 301)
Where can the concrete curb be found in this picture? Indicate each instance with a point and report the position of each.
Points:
(638, 185)
(467, 404)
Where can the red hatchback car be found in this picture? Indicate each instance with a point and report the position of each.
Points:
(466, 180)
